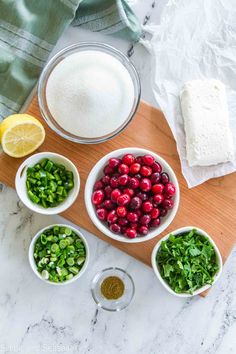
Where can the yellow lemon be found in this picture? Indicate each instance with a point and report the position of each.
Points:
(21, 134)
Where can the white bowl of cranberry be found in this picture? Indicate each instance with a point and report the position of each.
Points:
(132, 195)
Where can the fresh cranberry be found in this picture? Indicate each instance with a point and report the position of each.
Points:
(121, 211)
(155, 222)
(170, 189)
(134, 168)
(142, 196)
(112, 217)
(99, 206)
(108, 191)
(156, 167)
(115, 194)
(163, 212)
(138, 212)
(122, 221)
(114, 182)
(128, 159)
(155, 177)
(138, 176)
(168, 204)
(164, 177)
(158, 188)
(145, 219)
(148, 160)
(133, 183)
(139, 159)
(133, 225)
(97, 197)
(108, 170)
(115, 228)
(123, 169)
(132, 217)
(135, 203)
(123, 199)
(108, 204)
(98, 185)
(102, 214)
(146, 171)
(158, 198)
(123, 180)
(155, 213)
(145, 185)
(143, 230)
(129, 191)
(131, 233)
(113, 162)
(106, 180)
(147, 207)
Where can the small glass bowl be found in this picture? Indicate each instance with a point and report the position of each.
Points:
(124, 300)
(84, 46)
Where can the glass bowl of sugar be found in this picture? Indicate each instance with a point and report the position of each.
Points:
(89, 92)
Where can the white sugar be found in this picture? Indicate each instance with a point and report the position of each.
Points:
(90, 94)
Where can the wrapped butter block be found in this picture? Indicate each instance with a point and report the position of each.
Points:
(208, 137)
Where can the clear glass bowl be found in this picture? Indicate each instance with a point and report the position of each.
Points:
(83, 46)
(124, 300)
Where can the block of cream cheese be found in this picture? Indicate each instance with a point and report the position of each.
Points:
(208, 137)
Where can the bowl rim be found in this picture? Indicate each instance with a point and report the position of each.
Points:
(32, 261)
(176, 232)
(66, 51)
(21, 189)
(92, 177)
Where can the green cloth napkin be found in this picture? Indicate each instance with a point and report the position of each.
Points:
(29, 29)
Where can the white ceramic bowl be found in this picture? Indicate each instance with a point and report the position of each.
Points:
(97, 172)
(20, 183)
(32, 261)
(157, 271)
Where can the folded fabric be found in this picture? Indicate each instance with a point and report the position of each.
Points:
(30, 29)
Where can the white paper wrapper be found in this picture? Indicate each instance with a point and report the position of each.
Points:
(195, 40)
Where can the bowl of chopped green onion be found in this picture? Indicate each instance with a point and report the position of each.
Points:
(187, 261)
(47, 183)
(59, 254)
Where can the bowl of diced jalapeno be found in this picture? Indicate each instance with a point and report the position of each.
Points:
(47, 183)
(59, 254)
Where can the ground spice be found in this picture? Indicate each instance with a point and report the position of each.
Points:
(112, 288)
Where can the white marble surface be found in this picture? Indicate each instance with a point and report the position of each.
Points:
(37, 318)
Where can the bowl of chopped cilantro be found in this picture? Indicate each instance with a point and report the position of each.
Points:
(47, 183)
(59, 254)
(187, 261)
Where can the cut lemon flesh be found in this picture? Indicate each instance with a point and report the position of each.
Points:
(21, 134)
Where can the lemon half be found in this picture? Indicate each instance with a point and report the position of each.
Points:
(21, 134)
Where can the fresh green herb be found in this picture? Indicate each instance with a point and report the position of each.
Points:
(48, 183)
(59, 260)
(187, 261)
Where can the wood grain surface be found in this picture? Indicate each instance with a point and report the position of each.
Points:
(210, 206)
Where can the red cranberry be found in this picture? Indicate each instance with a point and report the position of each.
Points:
(139, 159)
(121, 211)
(131, 233)
(156, 167)
(114, 182)
(122, 221)
(132, 217)
(115, 228)
(138, 212)
(158, 198)
(142, 196)
(145, 219)
(97, 197)
(164, 177)
(155, 222)
(123, 180)
(145, 185)
(148, 160)
(108, 191)
(133, 225)
(135, 168)
(168, 204)
(108, 204)
(147, 207)
(115, 194)
(143, 230)
(133, 183)
(98, 185)
(146, 171)
(163, 212)
(128, 159)
(138, 176)
(108, 170)
(129, 191)
(123, 169)
(123, 199)
(155, 213)
(98, 206)
(170, 189)
(106, 180)
(112, 217)
(135, 203)
(102, 214)
(158, 188)
(113, 162)
(155, 177)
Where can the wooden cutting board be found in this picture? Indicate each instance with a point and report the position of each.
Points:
(211, 206)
